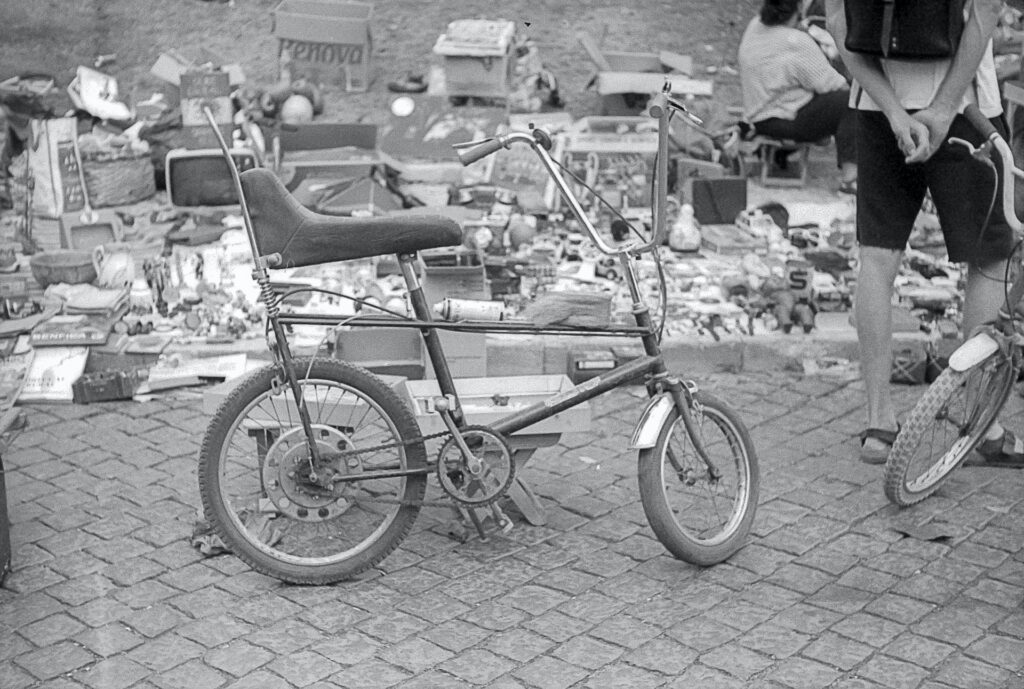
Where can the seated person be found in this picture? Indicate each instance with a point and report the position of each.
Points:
(790, 91)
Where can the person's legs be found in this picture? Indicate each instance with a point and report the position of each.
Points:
(873, 315)
(984, 294)
(963, 191)
(889, 196)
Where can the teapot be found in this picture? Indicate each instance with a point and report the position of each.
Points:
(115, 266)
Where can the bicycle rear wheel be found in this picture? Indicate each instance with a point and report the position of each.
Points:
(697, 518)
(259, 494)
(947, 423)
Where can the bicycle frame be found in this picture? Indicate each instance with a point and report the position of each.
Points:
(667, 392)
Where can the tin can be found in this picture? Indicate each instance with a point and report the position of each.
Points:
(470, 310)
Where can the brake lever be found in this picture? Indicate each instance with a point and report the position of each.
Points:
(678, 105)
(981, 152)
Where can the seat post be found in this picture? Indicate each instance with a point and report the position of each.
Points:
(431, 339)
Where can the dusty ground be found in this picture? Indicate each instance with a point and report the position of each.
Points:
(55, 36)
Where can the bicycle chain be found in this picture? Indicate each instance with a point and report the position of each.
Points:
(450, 502)
(387, 446)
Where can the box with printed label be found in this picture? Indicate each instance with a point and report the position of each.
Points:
(326, 40)
(477, 56)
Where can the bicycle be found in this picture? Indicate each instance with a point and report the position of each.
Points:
(954, 414)
(313, 470)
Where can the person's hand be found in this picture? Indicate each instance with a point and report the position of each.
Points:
(912, 136)
(937, 121)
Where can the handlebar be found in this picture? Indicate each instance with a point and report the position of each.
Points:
(993, 139)
(472, 151)
(237, 183)
(662, 107)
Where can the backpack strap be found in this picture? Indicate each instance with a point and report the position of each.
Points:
(887, 15)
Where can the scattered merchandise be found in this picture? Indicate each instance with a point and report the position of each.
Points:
(52, 374)
(133, 255)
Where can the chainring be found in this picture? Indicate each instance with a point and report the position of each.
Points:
(286, 474)
(497, 468)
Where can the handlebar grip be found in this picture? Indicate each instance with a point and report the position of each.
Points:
(468, 156)
(658, 104)
(980, 122)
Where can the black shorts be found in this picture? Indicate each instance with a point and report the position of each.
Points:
(890, 192)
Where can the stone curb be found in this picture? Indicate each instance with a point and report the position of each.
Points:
(521, 354)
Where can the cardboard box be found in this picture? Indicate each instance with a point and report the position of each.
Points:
(170, 66)
(201, 89)
(327, 40)
(621, 75)
(477, 57)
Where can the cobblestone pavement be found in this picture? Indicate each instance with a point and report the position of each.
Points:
(108, 593)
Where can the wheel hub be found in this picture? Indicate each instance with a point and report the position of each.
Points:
(300, 491)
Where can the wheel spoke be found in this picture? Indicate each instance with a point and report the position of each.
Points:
(282, 513)
(707, 510)
(949, 420)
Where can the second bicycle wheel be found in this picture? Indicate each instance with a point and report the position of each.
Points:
(949, 421)
(701, 519)
(288, 518)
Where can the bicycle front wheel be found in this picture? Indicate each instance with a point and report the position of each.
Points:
(698, 518)
(289, 519)
(947, 423)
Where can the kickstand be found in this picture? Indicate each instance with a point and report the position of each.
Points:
(476, 522)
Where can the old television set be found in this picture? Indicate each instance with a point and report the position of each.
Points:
(200, 178)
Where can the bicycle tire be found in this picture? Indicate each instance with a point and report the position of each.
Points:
(986, 385)
(657, 473)
(254, 440)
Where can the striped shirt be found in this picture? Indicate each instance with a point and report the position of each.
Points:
(781, 69)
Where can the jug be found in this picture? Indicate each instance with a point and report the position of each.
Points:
(115, 267)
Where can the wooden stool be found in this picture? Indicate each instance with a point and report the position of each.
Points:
(767, 147)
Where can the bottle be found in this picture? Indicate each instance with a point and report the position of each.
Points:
(470, 310)
(684, 235)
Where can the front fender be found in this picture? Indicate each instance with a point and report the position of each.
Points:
(973, 351)
(656, 415)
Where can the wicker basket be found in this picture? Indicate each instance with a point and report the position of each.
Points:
(72, 267)
(119, 181)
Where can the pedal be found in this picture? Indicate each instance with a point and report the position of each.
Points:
(501, 519)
